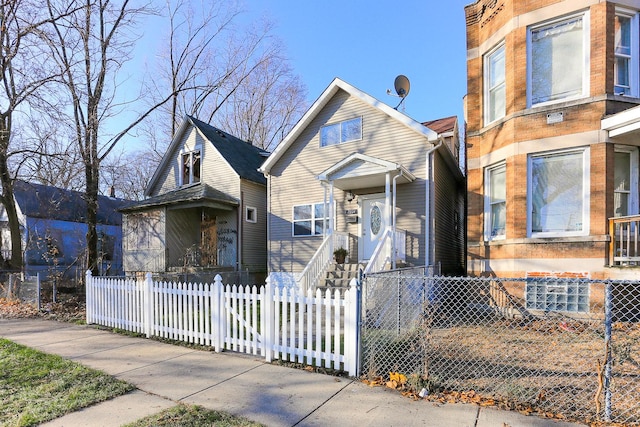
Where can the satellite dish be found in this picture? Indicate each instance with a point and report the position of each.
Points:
(402, 86)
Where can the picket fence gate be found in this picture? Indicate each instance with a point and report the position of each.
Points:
(275, 323)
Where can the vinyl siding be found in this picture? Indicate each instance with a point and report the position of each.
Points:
(215, 170)
(449, 236)
(254, 235)
(293, 178)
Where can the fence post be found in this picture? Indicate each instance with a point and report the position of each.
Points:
(608, 320)
(217, 315)
(352, 327)
(148, 305)
(268, 327)
(89, 297)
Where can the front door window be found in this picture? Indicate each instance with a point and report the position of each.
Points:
(373, 225)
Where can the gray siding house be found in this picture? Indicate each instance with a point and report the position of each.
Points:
(356, 173)
(205, 211)
(53, 224)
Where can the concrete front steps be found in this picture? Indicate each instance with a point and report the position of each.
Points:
(338, 276)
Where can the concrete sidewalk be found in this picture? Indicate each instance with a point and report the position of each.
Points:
(273, 395)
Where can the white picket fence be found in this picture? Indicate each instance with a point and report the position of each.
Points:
(275, 323)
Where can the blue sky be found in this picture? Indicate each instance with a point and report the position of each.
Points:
(369, 43)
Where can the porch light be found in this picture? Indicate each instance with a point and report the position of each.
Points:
(350, 196)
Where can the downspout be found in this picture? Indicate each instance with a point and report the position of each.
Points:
(393, 222)
(268, 224)
(240, 231)
(429, 241)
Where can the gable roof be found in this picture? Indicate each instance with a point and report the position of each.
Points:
(47, 202)
(336, 85)
(443, 125)
(243, 157)
(203, 195)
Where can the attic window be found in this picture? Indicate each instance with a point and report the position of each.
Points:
(191, 167)
(337, 133)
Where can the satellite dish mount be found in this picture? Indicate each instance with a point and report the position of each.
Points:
(402, 87)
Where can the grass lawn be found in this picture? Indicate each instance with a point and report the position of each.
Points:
(193, 416)
(37, 387)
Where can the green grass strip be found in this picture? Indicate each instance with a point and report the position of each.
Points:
(37, 387)
(192, 416)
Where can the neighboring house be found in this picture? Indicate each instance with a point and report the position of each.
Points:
(205, 211)
(552, 138)
(53, 224)
(356, 173)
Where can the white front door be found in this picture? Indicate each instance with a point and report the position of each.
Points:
(374, 223)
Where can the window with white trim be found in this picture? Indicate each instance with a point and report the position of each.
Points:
(558, 203)
(495, 202)
(309, 220)
(558, 60)
(626, 53)
(341, 132)
(190, 167)
(625, 181)
(494, 85)
(250, 214)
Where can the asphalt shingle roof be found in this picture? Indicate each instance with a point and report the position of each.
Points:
(199, 193)
(243, 157)
(47, 202)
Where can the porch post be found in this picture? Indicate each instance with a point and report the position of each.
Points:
(387, 198)
(331, 216)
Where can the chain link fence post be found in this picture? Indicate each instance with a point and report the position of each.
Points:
(608, 320)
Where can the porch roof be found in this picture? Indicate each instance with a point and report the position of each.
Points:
(199, 195)
(624, 126)
(361, 171)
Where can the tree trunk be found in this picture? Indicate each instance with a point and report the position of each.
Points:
(8, 199)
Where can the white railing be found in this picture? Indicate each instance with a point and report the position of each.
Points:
(391, 244)
(318, 329)
(308, 279)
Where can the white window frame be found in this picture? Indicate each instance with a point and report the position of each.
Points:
(585, 197)
(499, 85)
(488, 202)
(251, 214)
(313, 219)
(584, 16)
(338, 130)
(632, 57)
(633, 207)
(190, 153)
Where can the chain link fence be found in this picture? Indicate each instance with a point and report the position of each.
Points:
(564, 347)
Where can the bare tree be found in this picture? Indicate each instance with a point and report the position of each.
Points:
(23, 73)
(266, 105)
(90, 46)
(233, 74)
(128, 173)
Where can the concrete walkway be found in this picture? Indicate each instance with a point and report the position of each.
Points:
(165, 374)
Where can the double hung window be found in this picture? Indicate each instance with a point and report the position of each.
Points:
(558, 60)
(558, 202)
(496, 202)
(494, 85)
(626, 53)
(190, 166)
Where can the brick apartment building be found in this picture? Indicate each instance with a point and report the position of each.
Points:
(552, 137)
